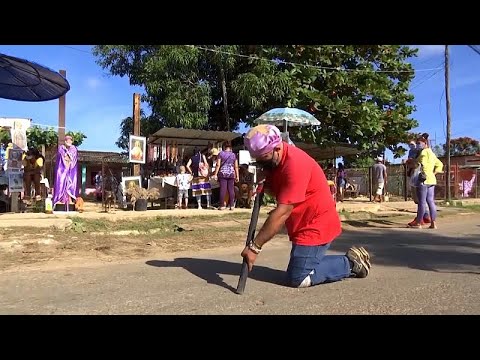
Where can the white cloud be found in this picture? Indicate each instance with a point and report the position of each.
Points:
(93, 83)
(426, 51)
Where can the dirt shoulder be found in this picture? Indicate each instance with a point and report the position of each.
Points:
(105, 240)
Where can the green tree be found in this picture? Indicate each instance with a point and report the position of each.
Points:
(186, 85)
(36, 137)
(364, 100)
(358, 161)
(49, 137)
(438, 150)
(148, 125)
(463, 146)
(358, 92)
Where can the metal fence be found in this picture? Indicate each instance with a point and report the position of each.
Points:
(463, 182)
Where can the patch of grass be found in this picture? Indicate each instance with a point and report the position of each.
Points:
(459, 205)
(105, 225)
(346, 214)
(167, 224)
(227, 215)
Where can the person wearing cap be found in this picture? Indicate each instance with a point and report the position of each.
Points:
(306, 208)
(379, 171)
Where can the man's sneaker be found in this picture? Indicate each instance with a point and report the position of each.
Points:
(426, 220)
(366, 256)
(358, 262)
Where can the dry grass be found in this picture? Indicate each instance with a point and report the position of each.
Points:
(129, 239)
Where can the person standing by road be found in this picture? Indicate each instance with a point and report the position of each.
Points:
(379, 171)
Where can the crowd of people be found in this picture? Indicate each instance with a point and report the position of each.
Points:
(235, 182)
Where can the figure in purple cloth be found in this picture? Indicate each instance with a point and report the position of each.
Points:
(65, 190)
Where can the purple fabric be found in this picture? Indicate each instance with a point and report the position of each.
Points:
(426, 196)
(66, 175)
(227, 184)
(227, 165)
(262, 139)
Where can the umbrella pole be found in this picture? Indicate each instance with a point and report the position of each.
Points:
(285, 124)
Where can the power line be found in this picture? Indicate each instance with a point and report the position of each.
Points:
(288, 62)
(474, 48)
(426, 79)
(77, 49)
(311, 66)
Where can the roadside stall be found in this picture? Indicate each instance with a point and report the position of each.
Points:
(169, 148)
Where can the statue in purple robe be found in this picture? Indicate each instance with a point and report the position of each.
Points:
(65, 189)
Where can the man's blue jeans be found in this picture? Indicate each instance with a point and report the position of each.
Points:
(326, 268)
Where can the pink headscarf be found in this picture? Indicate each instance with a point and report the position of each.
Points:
(262, 139)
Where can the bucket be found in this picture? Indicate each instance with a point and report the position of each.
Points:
(141, 205)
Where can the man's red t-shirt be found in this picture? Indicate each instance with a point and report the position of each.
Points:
(300, 181)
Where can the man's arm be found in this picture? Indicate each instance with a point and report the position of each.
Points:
(273, 224)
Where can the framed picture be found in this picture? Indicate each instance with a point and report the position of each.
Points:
(15, 181)
(137, 146)
(14, 161)
(130, 181)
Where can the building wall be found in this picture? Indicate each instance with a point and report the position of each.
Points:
(92, 170)
(461, 160)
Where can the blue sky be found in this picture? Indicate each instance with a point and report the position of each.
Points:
(98, 102)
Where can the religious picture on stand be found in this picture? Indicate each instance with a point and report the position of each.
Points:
(15, 181)
(130, 182)
(137, 149)
(15, 157)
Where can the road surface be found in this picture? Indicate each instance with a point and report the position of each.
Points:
(414, 272)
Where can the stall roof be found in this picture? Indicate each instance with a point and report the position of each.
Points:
(191, 137)
(99, 156)
(331, 152)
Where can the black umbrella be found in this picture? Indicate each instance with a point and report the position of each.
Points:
(24, 80)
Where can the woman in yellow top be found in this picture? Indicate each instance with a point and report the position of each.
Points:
(430, 166)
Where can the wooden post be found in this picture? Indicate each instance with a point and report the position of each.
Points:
(61, 115)
(447, 104)
(370, 182)
(14, 202)
(136, 127)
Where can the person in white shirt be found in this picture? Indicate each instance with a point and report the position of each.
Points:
(182, 181)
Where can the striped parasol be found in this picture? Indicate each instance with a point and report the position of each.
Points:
(287, 116)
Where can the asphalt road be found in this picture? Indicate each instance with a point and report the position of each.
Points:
(413, 272)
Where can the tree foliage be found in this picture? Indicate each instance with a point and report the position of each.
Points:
(463, 146)
(36, 137)
(360, 93)
(438, 150)
(148, 125)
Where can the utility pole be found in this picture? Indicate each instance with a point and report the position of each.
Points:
(61, 115)
(447, 103)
